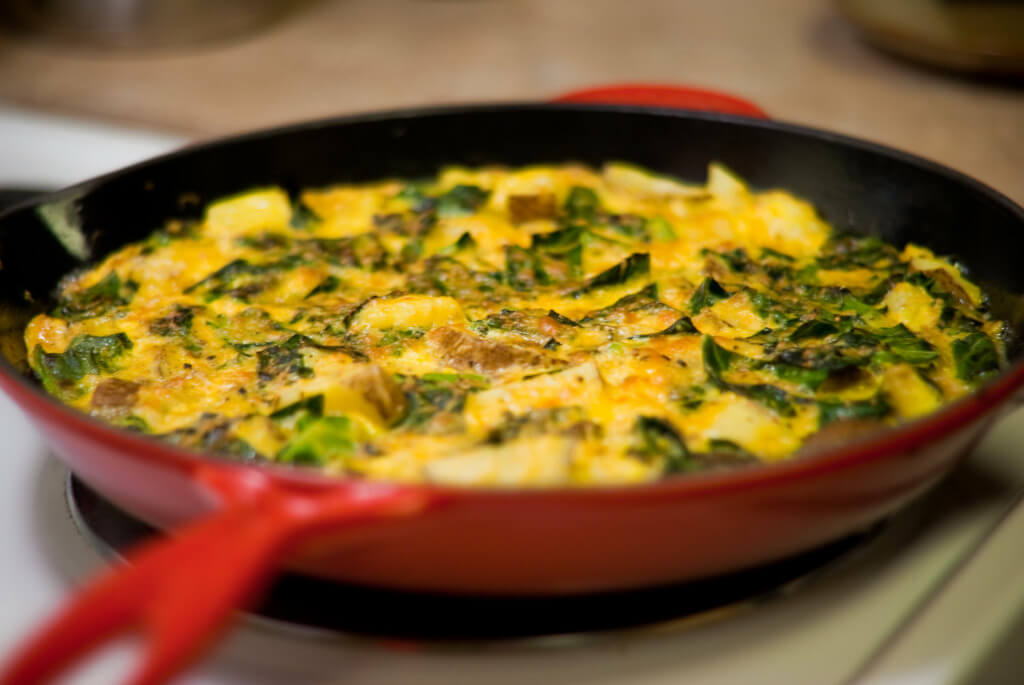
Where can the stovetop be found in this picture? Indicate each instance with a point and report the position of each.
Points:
(934, 596)
(299, 601)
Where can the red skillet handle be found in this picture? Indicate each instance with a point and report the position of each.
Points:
(182, 590)
(664, 96)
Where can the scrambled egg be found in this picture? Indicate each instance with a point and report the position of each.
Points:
(513, 327)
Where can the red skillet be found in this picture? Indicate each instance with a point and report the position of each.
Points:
(235, 524)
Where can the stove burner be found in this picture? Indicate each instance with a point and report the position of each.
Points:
(327, 605)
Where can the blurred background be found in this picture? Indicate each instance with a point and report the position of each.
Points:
(201, 69)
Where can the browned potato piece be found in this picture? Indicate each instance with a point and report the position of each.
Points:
(531, 207)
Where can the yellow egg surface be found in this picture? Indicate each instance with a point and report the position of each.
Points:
(536, 327)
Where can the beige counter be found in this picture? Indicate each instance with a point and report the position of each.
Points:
(796, 58)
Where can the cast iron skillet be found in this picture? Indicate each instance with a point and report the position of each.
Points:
(245, 520)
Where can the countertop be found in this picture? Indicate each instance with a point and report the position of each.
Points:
(798, 59)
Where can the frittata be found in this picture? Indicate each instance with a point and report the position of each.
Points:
(541, 326)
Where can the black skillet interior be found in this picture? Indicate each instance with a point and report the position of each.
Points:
(858, 187)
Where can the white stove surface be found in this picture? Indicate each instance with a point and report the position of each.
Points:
(938, 598)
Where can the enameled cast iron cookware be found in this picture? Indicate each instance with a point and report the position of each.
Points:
(234, 523)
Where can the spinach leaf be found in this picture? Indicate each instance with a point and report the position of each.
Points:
(874, 408)
(240, 279)
(328, 285)
(737, 260)
(903, 345)
(574, 260)
(722, 446)
(716, 358)
(693, 396)
(775, 254)
(283, 358)
(312, 406)
(561, 240)
(564, 320)
(645, 299)
(461, 200)
(682, 326)
(320, 441)
(97, 299)
(707, 293)
(522, 271)
(629, 225)
(637, 264)
(417, 199)
(809, 378)
(436, 393)
(176, 324)
(976, 358)
(86, 354)
(465, 242)
(855, 304)
(878, 293)
(655, 437)
(815, 328)
(303, 218)
(581, 203)
(771, 396)
(660, 229)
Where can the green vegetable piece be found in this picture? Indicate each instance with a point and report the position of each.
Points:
(107, 293)
(693, 397)
(707, 293)
(809, 378)
(723, 446)
(328, 285)
(574, 258)
(562, 240)
(875, 408)
(637, 264)
(773, 397)
(682, 326)
(412, 250)
(660, 229)
(176, 324)
(320, 441)
(976, 358)
(807, 274)
(581, 203)
(523, 269)
(813, 329)
(303, 218)
(654, 437)
(312, 405)
(716, 358)
(854, 304)
(461, 200)
(878, 293)
(737, 260)
(417, 199)
(284, 358)
(641, 300)
(565, 320)
(901, 344)
(87, 354)
(240, 279)
(435, 393)
(629, 225)
(775, 254)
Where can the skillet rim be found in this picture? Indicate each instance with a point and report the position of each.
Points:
(882, 444)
